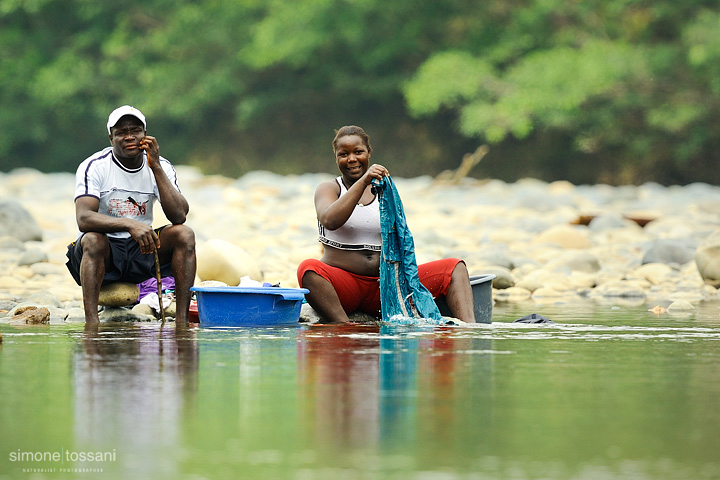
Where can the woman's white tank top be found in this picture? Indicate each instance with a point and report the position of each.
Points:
(360, 232)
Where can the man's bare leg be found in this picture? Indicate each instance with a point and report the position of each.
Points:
(180, 241)
(96, 252)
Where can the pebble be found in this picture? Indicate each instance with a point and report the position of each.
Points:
(29, 315)
(545, 242)
(32, 256)
(119, 314)
(143, 309)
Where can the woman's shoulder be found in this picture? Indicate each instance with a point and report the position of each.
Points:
(331, 186)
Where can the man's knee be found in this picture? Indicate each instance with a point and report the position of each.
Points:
(181, 236)
(95, 244)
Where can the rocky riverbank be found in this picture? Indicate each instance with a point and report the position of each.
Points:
(545, 242)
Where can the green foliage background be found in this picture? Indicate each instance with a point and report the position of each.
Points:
(615, 91)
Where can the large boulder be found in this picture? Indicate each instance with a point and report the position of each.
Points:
(574, 260)
(707, 259)
(503, 276)
(17, 222)
(118, 294)
(670, 251)
(565, 236)
(226, 262)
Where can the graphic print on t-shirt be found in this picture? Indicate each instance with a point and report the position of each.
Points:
(127, 208)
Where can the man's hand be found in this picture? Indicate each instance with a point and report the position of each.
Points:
(145, 236)
(151, 147)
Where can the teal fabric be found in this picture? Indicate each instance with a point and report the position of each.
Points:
(403, 298)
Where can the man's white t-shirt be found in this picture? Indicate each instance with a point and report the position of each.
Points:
(122, 192)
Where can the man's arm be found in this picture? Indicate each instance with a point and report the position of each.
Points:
(90, 220)
(173, 203)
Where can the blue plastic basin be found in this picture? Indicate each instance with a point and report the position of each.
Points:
(248, 306)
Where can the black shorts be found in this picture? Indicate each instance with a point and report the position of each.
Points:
(128, 263)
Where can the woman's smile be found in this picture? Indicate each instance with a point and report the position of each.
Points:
(353, 156)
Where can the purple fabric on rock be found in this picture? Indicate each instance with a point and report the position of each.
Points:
(150, 285)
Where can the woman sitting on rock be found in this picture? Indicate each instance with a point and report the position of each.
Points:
(347, 277)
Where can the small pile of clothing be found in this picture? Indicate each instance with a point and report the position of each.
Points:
(149, 292)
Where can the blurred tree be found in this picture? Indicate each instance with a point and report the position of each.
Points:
(632, 85)
(227, 85)
(612, 90)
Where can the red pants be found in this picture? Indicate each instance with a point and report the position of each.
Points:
(358, 292)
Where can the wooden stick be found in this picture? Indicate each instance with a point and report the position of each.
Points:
(159, 287)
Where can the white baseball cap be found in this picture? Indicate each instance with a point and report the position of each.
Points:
(120, 112)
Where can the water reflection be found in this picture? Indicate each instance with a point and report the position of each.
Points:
(392, 387)
(132, 387)
(436, 390)
(248, 397)
(615, 394)
(338, 378)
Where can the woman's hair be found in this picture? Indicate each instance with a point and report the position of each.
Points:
(352, 130)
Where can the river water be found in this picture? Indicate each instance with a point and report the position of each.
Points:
(604, 392)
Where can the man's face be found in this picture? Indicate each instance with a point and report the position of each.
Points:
(125, 137)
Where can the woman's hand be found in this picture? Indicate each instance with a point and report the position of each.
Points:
(375, 171)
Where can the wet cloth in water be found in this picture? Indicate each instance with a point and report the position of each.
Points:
(533, 318)
(402, 296)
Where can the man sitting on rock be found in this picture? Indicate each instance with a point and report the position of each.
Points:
(115, 190)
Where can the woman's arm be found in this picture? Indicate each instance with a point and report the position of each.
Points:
(334, 210)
